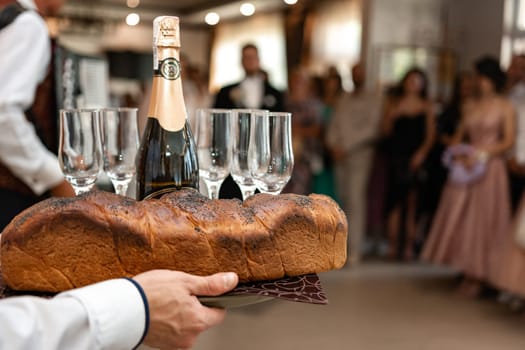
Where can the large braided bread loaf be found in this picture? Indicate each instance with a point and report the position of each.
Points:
(60, 244)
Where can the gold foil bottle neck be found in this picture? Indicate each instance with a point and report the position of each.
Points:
(166, 31)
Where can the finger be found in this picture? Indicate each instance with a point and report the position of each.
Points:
(214, 316)
(213, 285)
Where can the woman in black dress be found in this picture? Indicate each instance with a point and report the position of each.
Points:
(408, 127)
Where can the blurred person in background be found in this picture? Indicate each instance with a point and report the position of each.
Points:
(329, 90)
(473, 216)
(511, 276)
(515, 90)
(409, 128)
(307, 126)
(28, 168)
(351, 134)
(447, 123)
(450, 118)
(255, 92)
(195, 90)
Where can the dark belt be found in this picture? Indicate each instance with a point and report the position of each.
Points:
(9, 181)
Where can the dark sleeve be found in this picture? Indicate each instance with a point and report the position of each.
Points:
(222, 99)
(448, 121)
(279, 99)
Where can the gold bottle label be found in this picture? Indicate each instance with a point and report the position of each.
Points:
(170, 68)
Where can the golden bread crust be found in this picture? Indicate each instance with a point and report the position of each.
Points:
(61, 244)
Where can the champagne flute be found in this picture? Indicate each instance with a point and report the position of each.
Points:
(79, 147)
(240, 169)
(271, 155)
(120, 140)
(213, 147)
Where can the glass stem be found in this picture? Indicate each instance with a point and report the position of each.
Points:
(82, 189)
(213, 191)
(121, 187)
(247, 192)
(272, 192)
(213, 188)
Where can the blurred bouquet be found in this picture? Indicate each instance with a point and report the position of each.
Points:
(466, 164)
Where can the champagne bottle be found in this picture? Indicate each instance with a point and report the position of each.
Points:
(167, 157)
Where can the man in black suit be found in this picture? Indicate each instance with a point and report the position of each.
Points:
(254, 92)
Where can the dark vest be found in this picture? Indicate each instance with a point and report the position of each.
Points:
(42, 114)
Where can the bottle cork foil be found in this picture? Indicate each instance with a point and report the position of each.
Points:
(166, 33)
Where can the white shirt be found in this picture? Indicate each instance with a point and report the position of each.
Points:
(107, 315)
(24, 58)
(252, 90)
(517, 97)
(355, 121)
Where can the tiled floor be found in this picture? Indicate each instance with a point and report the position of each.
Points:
(377, 306)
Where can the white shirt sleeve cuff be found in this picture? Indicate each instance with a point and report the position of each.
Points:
(49, 175)
(116, 313)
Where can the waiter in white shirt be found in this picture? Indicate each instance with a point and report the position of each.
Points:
(254, 92)
(157, 309)
(28, 169)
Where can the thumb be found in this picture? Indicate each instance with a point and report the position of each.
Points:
(213, 285)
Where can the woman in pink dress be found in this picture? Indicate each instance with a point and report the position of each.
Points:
(510, 275)
(473, 217)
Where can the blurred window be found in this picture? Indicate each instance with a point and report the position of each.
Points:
(336, 38)
(513, 40)
(520, 20)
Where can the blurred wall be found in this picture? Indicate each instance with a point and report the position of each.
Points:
(429, 30)
(123, 38)
(476, 28)
(400, 34)
(405, 22)
(465, 29)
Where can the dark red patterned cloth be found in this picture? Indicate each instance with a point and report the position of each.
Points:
(303, 289)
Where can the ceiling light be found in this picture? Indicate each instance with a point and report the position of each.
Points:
(212, 18)
(132, 19)
(247, 9)
(290, 2)
(132, 3)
